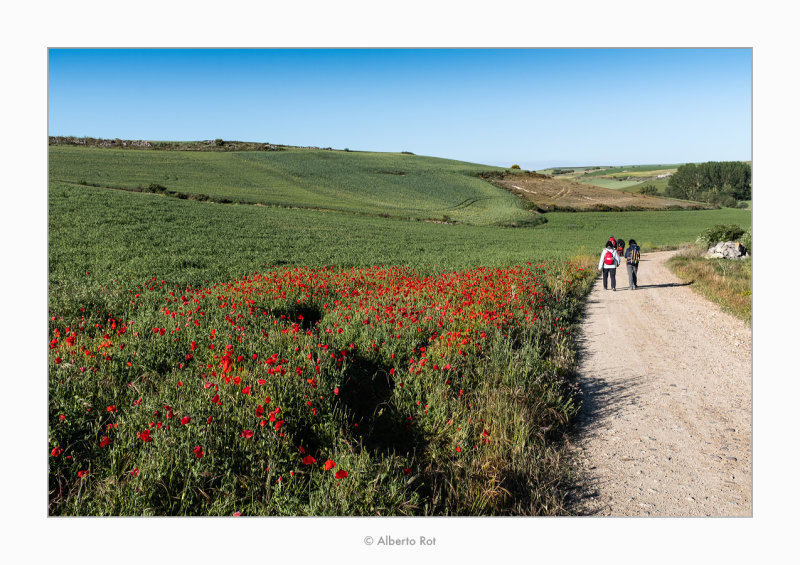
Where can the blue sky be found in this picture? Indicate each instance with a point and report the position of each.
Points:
(532, 107)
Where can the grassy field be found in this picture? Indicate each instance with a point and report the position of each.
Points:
(213, 359)
(390, 184)
(724, 281)
(628, 179)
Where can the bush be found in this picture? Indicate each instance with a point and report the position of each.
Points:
(747, 240)
(720, 232)
(515, 167)
(649, 189)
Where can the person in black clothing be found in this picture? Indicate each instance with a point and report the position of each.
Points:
(632, 260)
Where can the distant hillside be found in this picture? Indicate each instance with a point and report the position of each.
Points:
(548, 194)
(398, 185)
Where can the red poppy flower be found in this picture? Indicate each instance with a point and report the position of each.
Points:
(105, 441)
(278, 425)
(135, 472)
(185, 420)
(198, 451)
(329, 465)
(82, 474)
(308, 460)
(56, 451)
(144, 436)
(259, 411)
(247, 434)
(112, 408)
(341, 474)
(246, 390)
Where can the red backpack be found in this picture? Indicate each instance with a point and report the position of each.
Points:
(608, 259)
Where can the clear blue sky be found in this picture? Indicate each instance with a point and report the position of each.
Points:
(532, 107)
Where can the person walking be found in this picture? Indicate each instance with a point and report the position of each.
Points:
(632, 260)
(609, 260)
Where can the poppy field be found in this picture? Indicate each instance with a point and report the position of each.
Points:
(318, 391)
(211, 359)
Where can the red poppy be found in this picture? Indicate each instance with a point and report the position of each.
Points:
(105, 441)
(135, 472)
(278, 425)
(112, 408)
(308, 460)
(144, 436)
(82, 474)
(247, 434)
(56, 451)
(185, 420)
(341, 474)
(259, 411)
(246, 390)
(329, 465)
(198, 451)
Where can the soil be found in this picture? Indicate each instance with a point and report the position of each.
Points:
(666, 421)
(545, 192)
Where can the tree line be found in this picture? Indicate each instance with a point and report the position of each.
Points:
(717, 182)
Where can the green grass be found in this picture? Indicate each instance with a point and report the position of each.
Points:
(727, 282)
(142, 261)
(609, 183)
(393, 184)
(116, 234)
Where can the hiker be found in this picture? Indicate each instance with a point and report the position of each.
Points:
(612, 241)
(620, 247)
(608, 263)
(632, 260)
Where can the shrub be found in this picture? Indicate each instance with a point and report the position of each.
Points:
(515, 167)
(649, 189)
(747, 240)
(720, 232)
(218, 142)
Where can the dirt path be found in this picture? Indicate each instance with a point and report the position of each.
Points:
(666, 424)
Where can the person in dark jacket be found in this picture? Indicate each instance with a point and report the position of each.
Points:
(632, 260)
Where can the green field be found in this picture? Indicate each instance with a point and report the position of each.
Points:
(617, 178)
(126, 234)
(389, 184)
(420, 368)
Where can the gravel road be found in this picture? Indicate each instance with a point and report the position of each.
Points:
(666, 424)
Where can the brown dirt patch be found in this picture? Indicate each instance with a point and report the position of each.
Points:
(549, 193)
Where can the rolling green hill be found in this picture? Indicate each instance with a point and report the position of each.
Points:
(387, 184)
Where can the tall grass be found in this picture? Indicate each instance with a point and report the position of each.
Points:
(727, 282)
